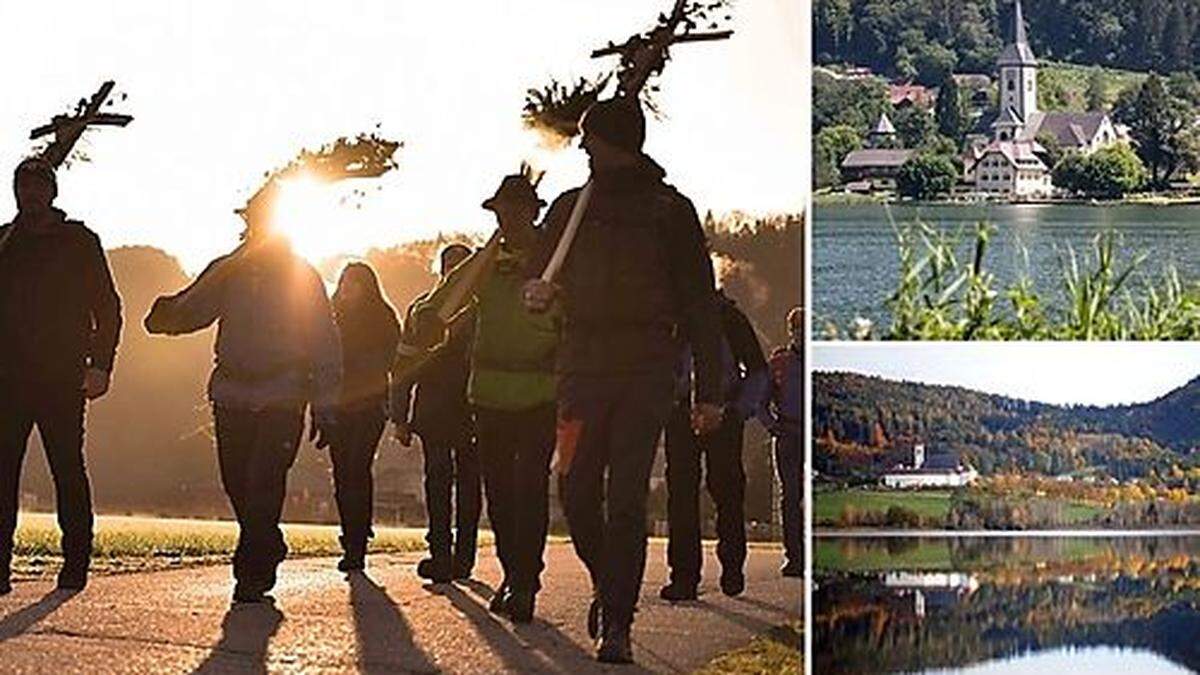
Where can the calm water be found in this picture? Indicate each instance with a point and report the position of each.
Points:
(942, 604)
(855, 261)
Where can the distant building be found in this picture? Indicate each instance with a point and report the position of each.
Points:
(1014, 169)
(1011, 168)
(874, 168)
(906, 95)
(937, 470)
(883, 135)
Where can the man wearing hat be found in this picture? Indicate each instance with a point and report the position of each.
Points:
(60, 320)
(438, 412)
(637, 284)
(277, 353)
(512, 391)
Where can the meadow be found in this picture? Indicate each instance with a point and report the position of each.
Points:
(143, 543)
(856, 507)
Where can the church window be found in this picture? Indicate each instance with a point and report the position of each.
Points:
(1010, 84)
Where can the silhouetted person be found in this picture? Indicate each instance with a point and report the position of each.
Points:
(637, 284)
(744, 381)
(438, 412)
(369, 333)
(512, 390)
(781, 416)
(277, 351)
(60, 320)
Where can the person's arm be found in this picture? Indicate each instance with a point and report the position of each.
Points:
(691, 274)
(400, 394)
(106, 313)
(325, 349)
(194, 308)
(743, 341)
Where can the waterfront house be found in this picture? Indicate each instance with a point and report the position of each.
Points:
(876, 167)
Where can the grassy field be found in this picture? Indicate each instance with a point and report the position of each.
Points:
(776, 653)
(931, 505)
(828, 505)
(131, 543)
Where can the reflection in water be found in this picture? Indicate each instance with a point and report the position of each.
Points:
(1011, 604)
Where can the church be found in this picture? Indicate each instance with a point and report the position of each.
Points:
(1009, 165)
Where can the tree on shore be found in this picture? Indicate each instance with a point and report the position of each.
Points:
(1108, 173)
(1162, 126)
(926, 176)
(951, 121)
(831, 147)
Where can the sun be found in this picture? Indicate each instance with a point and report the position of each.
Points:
(309, 214)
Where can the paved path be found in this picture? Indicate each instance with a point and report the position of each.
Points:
(384, 621)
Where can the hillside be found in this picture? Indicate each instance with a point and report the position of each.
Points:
(924, 39)
(865, 424)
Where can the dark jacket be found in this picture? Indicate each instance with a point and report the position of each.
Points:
(277, 345)
(638, 281)
(438, 410)
(369, 334)
(744, 377)
(59, 310)
(781, 414)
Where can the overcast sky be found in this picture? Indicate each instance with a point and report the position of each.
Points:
(1095, 373)
(225, 90)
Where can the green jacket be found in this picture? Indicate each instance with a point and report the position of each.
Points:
(513, 356)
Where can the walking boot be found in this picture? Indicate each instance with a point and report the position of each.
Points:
(74, 575)
(733, 582)
(354, 556)
(678, 592)
(593, 618)
(792, 568)
(615, 646)
(250, 594)
(437, 569)
(520, 606)
(461, 571)
(499, 602)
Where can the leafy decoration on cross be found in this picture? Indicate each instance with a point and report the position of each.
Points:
(555, 109)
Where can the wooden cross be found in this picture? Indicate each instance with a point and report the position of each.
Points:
(645, 54)
(68, 128)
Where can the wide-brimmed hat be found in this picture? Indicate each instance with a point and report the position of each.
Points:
(514, 188)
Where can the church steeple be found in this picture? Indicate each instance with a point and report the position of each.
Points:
(1019, 25)
(1018, 71)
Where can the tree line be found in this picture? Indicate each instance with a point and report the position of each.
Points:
(925, 39)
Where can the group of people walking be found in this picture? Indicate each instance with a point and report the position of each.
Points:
(572, 379)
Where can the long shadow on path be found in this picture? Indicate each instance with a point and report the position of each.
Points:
(21, 620)
(246, 632)
(534, 647)
(385, 640)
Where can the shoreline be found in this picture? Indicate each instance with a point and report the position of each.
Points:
(1090, 533)
(841, 199)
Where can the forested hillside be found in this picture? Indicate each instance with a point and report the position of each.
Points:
(927, 38)
(865, 424)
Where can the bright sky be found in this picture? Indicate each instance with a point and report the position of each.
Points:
(226, 90)
(1094, 373)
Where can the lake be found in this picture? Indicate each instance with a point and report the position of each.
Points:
(855, 263)
(1007, 604)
